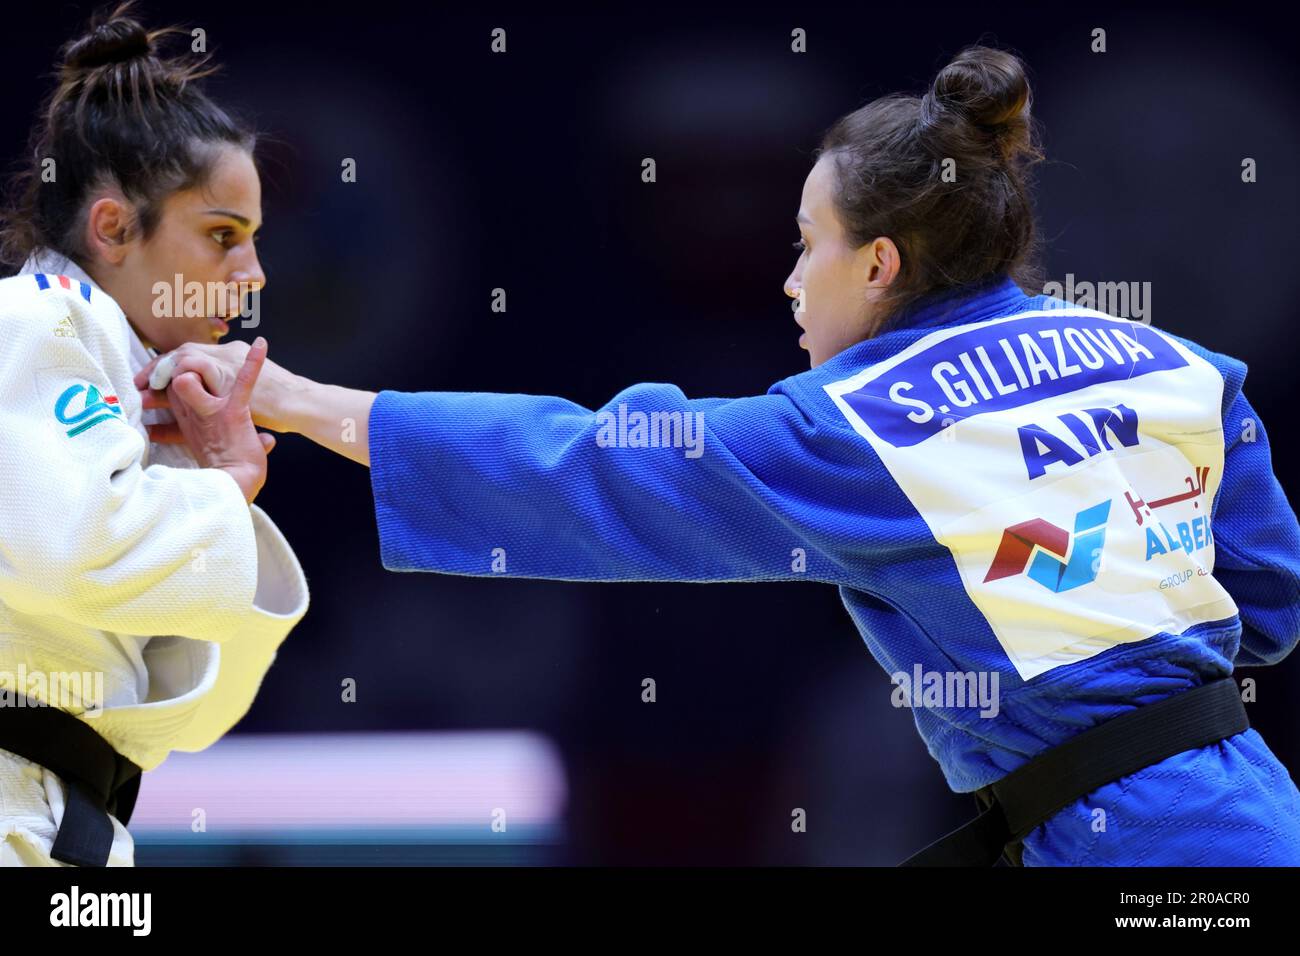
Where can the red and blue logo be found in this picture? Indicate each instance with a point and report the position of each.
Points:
(1056, 559)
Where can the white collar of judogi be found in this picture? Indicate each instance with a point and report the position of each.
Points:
(50, 262)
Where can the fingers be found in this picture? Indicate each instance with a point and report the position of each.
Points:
(216, 364)
(210, 371)
(142, 376)
(169, 433)
(154, 399)
(166, 434)
(247, 377)
(189, 389)
(163, 372)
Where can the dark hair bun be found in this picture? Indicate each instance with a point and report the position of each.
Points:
(987, 86)
(984, 88)
(116, 40)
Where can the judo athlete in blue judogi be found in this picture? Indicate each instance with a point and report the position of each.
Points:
(1033, 536)
(1001, 485)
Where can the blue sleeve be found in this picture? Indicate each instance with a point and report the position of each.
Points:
(1256, 541)
(534, 486)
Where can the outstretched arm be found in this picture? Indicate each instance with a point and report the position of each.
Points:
(651, 487)
(333, 417)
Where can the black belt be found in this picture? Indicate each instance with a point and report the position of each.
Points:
(1033, 793)
(97, 779)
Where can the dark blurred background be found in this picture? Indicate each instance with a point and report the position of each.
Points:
(522, 171)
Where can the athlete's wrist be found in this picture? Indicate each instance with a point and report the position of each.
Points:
(332, 416)
(289, 404)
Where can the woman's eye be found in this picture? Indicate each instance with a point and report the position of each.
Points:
(221, 235)
(801, 246)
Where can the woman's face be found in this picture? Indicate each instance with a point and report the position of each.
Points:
(186, 282)
(834, 286)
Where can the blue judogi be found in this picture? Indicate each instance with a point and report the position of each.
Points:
(1004, 487)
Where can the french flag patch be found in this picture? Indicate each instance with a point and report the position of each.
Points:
(43, 282)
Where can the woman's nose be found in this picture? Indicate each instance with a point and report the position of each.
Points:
(250, 275)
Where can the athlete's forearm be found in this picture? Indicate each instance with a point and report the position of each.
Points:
(333, 417)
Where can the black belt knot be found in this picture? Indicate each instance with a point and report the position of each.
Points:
(98, 781)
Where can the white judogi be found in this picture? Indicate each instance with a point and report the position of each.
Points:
(107, 542)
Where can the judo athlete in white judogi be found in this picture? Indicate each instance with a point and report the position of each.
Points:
(118, 558)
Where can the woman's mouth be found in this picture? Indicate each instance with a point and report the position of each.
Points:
(219, 327)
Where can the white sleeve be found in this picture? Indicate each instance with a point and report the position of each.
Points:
(280, 603)
(86, 533)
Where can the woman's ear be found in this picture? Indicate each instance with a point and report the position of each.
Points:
(107, 228)
(882, 261)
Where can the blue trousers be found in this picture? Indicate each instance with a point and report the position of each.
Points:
(1229, 804)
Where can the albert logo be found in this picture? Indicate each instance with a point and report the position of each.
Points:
(1060, 563)
(92, 408)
